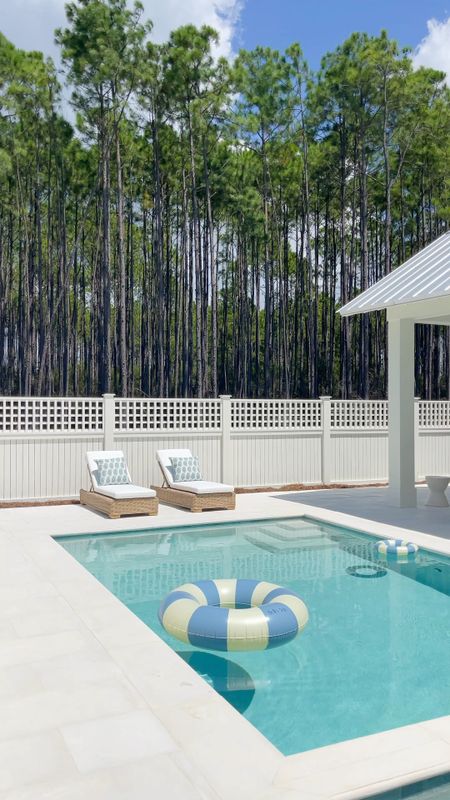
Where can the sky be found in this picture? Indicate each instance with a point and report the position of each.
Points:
(319, 25)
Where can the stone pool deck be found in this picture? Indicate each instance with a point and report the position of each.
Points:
(95, 706)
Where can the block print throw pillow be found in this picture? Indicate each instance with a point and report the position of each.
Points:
(185, 468)
(112, 471)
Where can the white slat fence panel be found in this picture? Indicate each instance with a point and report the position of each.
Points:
(43, 440)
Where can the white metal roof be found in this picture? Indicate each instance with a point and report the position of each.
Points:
(423, 277)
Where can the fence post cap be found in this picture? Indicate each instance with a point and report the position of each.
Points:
(225, 396)
(325, 397)
(108, 395)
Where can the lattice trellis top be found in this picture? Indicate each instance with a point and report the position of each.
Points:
(275, 414)
(423, 277)
(167, 414)
(44, 415)
(51, 415)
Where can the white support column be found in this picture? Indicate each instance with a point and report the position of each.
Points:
(326, 438)
(416, 438)
(108, 421)
(227, 476)
(402, 490)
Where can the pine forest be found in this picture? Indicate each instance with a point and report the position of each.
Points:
(177, 224)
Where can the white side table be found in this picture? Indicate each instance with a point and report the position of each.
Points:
(437, 485)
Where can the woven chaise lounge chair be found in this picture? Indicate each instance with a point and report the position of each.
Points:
(196, 495)
(116, 499)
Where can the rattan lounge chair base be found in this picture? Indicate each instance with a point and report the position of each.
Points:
(119, 508)
(196, 502)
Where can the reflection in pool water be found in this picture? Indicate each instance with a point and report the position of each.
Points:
(229, 679)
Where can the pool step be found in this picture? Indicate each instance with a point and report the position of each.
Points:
(299, 524)
(267, 541)
(285, 534)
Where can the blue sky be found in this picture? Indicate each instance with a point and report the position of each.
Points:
(320, 25)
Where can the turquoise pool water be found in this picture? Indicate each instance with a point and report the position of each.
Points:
(373, 656)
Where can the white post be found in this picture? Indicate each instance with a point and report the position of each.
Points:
(402, 490)
(227, 466)
(108, 421)
(416, 438)
(326, 438)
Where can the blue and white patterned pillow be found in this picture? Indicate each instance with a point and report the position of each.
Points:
(112, 471)
(186, 468)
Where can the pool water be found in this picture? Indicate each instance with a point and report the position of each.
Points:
(373, 656)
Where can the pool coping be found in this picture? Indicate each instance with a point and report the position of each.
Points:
(203, 728)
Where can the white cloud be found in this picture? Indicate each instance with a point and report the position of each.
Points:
(223, 15)
(434, 49)
(30, 24)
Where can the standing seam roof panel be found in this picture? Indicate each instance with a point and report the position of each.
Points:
(421, 277)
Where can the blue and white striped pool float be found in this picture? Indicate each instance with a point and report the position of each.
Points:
(396, 547)
(236, 614)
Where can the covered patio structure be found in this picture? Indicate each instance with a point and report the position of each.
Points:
(416, 292)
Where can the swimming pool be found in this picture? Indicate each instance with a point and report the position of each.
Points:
(373, 656)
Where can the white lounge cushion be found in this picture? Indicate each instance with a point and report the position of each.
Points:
(198, 487)
(203, 487)
(125, 491)
(91, 458)
(164, 456)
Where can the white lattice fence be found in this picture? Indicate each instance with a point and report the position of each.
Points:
(257, 415)
(283, 433)
(356, 414)
(51, 415)
(43, 440)
(434, 414)
(167, 415)
(433, 439)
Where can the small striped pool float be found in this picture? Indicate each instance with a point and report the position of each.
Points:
(396, 547)
(233, 614)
